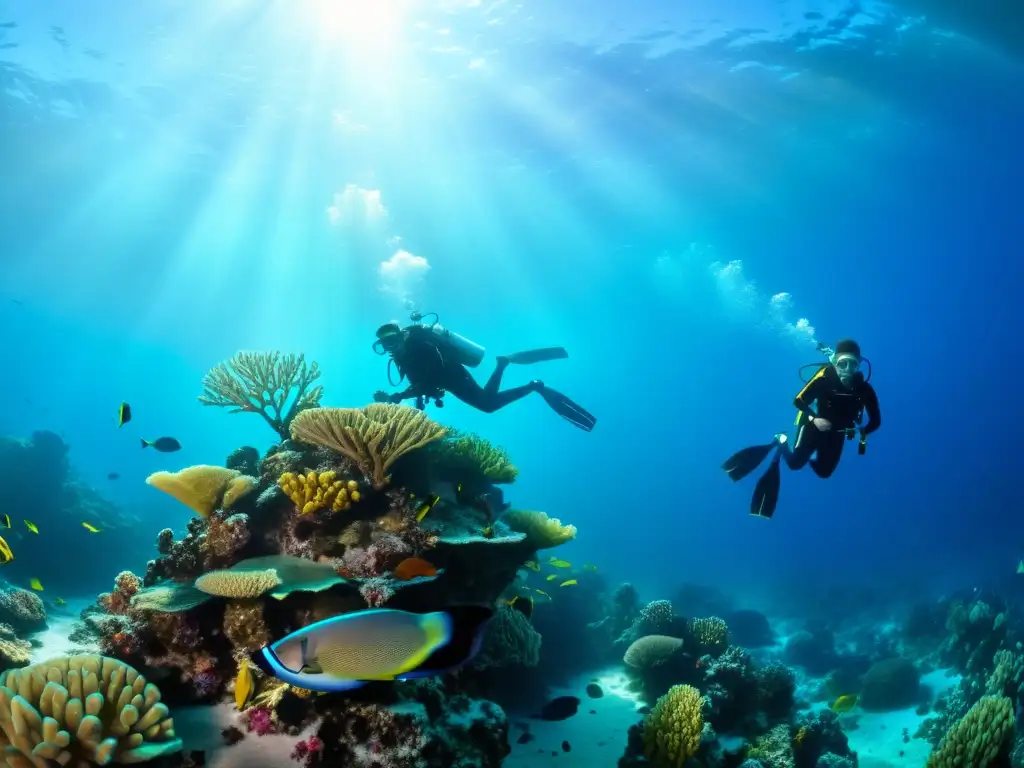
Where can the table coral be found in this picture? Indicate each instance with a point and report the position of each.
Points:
(274, 385)
(88, 709)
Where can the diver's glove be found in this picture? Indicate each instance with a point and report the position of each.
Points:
(380, 396)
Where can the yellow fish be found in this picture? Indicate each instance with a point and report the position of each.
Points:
(488, 532)
(589, 567)
(31, 526)
(5, 519)
(59, 601)
(555, 563)
(425, 507)
(552, 577)
(844, 704)
(36, 584)
(532, 565)
(568, 583)
(542, 592)
(90, 528)
(6, 555)
(243, 685)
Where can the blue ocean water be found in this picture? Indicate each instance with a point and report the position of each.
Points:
(685, 198)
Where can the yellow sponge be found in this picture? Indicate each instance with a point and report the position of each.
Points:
(673, 729)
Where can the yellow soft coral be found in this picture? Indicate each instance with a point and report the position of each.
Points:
(542, 532)
(315, 491)
(374, 437)
(204, 488)
(672, 731)
(82, 710)
(979, 737)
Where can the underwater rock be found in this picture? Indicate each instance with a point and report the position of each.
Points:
(749, 628)
(245, 460)
(21, 609)
(890, 685)
(815, 652)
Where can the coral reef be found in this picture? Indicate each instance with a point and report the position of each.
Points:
(470, 459)
(672, 732)
(276, 386)
(21, 609)
(982, 735)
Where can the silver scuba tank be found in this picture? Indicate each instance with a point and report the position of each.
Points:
(464, 351)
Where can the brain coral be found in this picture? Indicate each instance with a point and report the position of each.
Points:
(651, 650)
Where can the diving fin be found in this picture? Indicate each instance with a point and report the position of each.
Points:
(532, 356)
(745, 461)
(567, 409)
(766, 492)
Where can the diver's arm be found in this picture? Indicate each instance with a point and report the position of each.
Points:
(407, 394)
(806, 397)
(870, 399)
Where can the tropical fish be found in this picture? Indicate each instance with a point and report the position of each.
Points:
(487, 531)
(425, 507)
(5, 520)
(554, 562)
(561, 708)
(542, 592)
(36, 584)
(413, 567)
(163, 444)
(346, 651)
(6, 555)
(90, 528)
(844, 704)
(533, 565)
(569, 583)
(59, 601)
(113, 476)
(244, 686)
(522, 604)
(124, 415)
(566, 746)
(552, 577)
(31, 526)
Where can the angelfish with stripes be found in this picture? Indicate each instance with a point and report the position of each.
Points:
(347, 651)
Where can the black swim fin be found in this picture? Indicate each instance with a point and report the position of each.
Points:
(567, 409)
(532, 356)
(766, 492)
(743, 462)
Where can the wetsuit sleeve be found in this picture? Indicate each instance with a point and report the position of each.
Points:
(405, 394)
(806, 396)
(870, 400)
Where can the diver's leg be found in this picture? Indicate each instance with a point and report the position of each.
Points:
(487, 399)
(494, 383)
(801, 452)
(830, 449)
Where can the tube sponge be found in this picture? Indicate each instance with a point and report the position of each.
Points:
(979, 737)
(542, 532)
(672, 731)
(82, 710)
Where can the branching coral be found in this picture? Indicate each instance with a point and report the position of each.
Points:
(244, 625)
(466, 457)
(376, 591)
(86, 709)
(204, 488)
(711, 633)
(672, 731)
(118, 601)
(374, 437)
(264, 383)
(542, 532)
(315, 491)
(774, 748)
(984, 733)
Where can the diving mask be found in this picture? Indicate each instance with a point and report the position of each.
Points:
(389, 338)
(846, 366)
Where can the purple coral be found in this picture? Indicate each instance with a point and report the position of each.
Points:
(384, 553)
(259, 720)
(376, 591)
(308, 750)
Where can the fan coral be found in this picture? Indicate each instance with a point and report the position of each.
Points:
(509, 640)
(312, 492)
(204, 488)
(651, 650)
(979, 738)
(263, 383)
(542, 532)
(373, 437)
(85, 709)
(672, 731)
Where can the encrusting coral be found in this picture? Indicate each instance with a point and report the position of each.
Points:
(204, 488)
(263, 383)
(373, 438)
(81, 711)
(319, 490)
(542, 532)
(672, 731)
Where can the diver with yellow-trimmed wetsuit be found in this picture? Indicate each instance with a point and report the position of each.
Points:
(831, 407)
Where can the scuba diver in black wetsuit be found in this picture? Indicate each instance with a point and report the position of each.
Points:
(435, 361)
(840, 394)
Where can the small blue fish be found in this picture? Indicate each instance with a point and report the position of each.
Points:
(163, 444)
(347, 651)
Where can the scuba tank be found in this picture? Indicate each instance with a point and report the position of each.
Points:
(461, 349)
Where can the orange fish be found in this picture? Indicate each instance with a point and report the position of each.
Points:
(412, 567)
